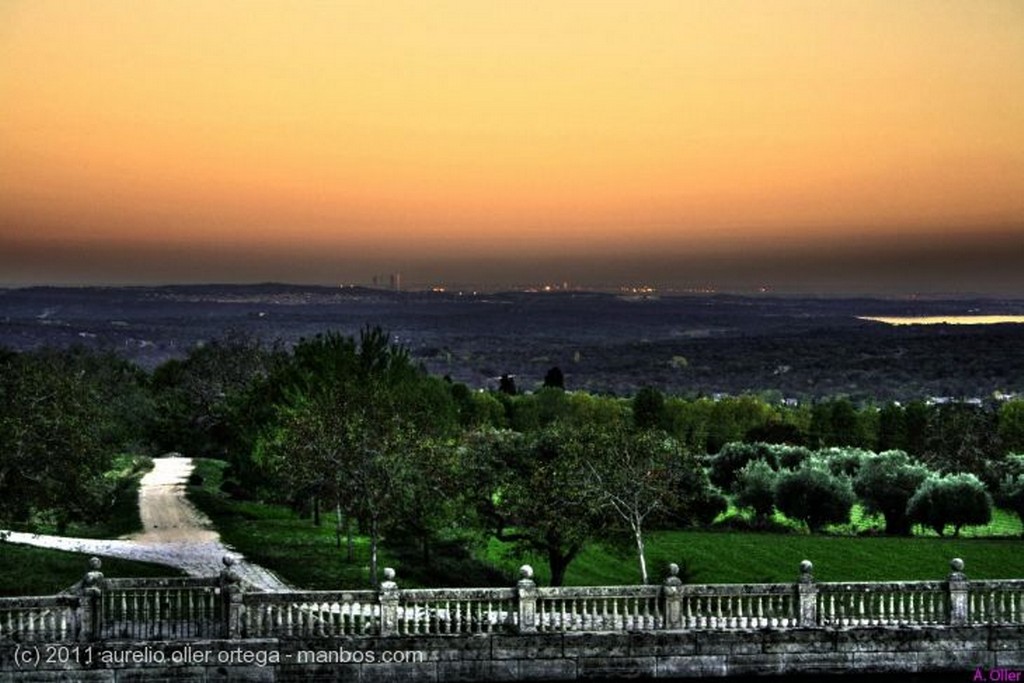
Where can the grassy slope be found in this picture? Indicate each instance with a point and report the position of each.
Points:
(741, 557)
(25, 570)
(275, 537)
(307, 556)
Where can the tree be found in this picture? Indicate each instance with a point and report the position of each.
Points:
(636, 475)
(734, 456)
(648, 409)
(957, 499)
(554, 378)
(835, 423)
(1011, 425)
(844, 461)
(532, 490)
(507, 385)
(58, 432)
(1010, 484)
(755, 489)
(892, 428)
(357, 424)
(960, 438)
(213, 402)
(814, 495)
(885, 484)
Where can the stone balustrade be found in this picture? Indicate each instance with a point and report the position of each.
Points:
(223, 607)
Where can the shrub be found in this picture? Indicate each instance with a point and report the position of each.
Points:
(957, 499)
(814, 495)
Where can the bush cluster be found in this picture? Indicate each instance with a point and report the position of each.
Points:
(820, 488)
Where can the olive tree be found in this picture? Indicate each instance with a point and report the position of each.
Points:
(885, 483)
(954, 499)
(814, 495)
(755, 489)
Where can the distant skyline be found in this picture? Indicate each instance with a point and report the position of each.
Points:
(852, 146)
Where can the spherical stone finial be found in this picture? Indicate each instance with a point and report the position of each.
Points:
(526, 571)
(389, 574)
(228, 561)
(673, 569)
(95, 563)
(806, 567)
(956, 564)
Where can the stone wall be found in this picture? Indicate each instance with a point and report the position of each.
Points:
(994, 652)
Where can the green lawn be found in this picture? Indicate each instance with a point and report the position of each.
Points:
(25, 570)
(1004, 524)
(277, 538)
(742, 557)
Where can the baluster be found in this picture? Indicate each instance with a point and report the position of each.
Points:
(179, 624)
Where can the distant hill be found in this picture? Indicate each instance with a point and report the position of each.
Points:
(800, 347)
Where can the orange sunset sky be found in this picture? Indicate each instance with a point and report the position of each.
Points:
(839, 145)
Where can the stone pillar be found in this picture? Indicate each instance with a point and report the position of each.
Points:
(527, 599)
(91, 595)
(957, 586)
(672, 599)
(807, 597)
(231, 598)
(389, 599)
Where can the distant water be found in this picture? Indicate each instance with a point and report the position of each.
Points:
(946, 319)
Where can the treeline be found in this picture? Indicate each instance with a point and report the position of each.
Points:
(354, 431)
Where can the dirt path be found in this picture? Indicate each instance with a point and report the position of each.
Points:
(167, 515)
(174, 532)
